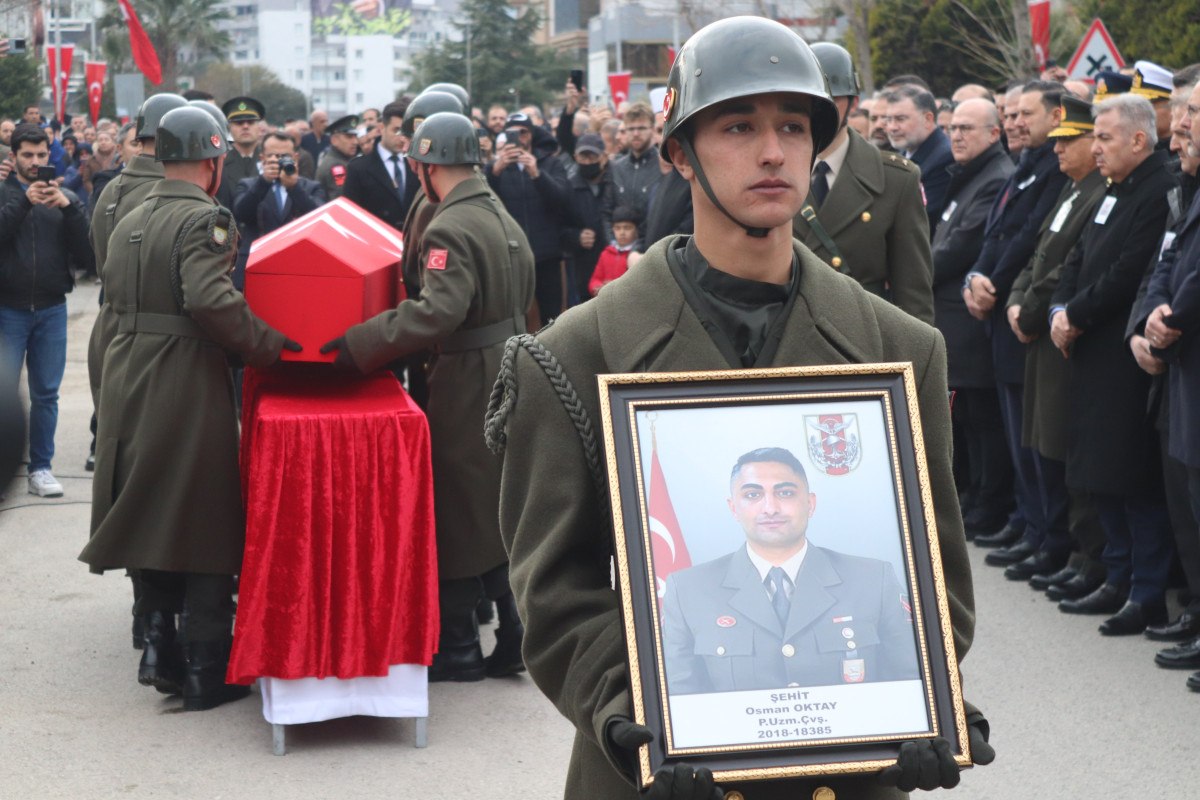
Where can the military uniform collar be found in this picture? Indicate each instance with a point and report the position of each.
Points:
(867, 162)
(144, 166)
(473, 186)
(655, 329)
(174, 188)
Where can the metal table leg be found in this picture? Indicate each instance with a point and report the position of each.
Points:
(422, 731)
(278, 740)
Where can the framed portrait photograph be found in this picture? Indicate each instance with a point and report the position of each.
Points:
(777, 558)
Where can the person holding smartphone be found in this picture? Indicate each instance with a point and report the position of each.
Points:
(43, 234)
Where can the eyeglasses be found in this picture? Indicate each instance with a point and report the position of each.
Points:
(963, 129)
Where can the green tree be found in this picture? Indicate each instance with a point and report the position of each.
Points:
(946, 42)
(182, 32)
(19, 85)
(1166, 32)
(224, 81)
(505, 65)
(350, 22)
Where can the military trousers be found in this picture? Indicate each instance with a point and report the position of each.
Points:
(205, 599)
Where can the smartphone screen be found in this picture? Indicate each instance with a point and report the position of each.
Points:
(577, 79)
(46, 174)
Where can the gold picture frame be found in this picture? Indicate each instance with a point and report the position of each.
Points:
(719, 681)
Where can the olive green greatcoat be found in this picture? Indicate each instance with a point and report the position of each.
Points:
(122, 194)
(166, 493)
(1045, 398)
(487, 279)
(559, 535)
(875, 215)
(329, 159)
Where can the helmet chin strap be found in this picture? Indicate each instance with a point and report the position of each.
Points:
(430, 192)
(213, 181)
(685, 142)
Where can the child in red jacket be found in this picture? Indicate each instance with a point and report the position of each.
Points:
(614, 261)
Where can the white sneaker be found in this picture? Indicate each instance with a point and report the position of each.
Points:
(43, 484)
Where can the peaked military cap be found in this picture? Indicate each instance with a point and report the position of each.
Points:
(346, 124)
(1109, 82)
(244, 108)
(1076, 118)
(1151, 81)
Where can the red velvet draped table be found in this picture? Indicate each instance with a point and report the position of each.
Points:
(339, 579)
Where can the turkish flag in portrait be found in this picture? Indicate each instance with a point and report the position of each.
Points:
(668, 549)
(139, 43)
(93, 72)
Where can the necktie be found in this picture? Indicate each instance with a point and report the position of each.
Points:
(820, 182)
(777, 582)
(280, 198)
(397, 174)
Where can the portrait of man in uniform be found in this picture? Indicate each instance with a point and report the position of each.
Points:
(781, 611)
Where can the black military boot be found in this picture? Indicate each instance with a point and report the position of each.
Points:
(506, 658)
(459, 656)
(205, 686)
(161, 665)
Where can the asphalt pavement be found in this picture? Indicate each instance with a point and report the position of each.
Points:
(1073, 714)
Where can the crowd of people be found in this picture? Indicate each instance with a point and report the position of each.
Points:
(1045, 228)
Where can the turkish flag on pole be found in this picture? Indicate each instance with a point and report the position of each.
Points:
(618, 85)
(1039, 23)
(668, 549)
(59, 75)
(139, 43)
(93, 72)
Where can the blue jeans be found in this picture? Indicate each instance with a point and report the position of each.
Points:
(39, 340)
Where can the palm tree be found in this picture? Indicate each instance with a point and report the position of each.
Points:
(182, 31)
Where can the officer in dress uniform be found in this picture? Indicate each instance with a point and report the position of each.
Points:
(166, 499)
(476, 275)
(243, 115)
(865, 214)
(343, 146)
(747, 110)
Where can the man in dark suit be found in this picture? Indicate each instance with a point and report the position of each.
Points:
(1010, 239)
(382, 182)
(1111, 446)
(864, 214)
(984, 472)
(1165, 339)
(828, 618)
(277, 196)
(913, 130)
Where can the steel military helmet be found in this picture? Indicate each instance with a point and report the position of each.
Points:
(839, 69)
(216, 114)
(740, 57)
(451, 88)
(426, 104)
(189, 134)
(151, 113)
(445, 138)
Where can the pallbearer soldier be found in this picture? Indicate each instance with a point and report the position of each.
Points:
(744, 121)
(166, 499)
(123, 194)
(865, 215)
(476, 275)
(343, 146)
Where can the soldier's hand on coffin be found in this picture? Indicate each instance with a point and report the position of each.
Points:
(682, 782)
(289, 345)
(344, 360)
(922, 764)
